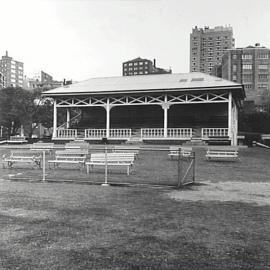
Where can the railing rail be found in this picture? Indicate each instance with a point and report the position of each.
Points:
(66, 133)
(214, 132)
(113, 133)
(171, 133)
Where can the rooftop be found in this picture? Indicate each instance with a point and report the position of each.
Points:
(147, 83)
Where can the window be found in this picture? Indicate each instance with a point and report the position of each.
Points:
(234, 78)
(146, 63)
(234, 68)
(263, 66)
(263, 56)
(247, 56)
(247, 67)
(247, 78)
(234, 56)
(264, 86)
(146, 72)
(263, 77)
(125, 64)
(130, 64)
(135, 73)
(136, 64)
(140, 63)
(248, 86)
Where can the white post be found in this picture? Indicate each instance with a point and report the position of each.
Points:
(43, 166)
(54, 119)
(230, 117)
(165, 107)
(68, 118)
(1, 131)
(105, 184)
(22, 131)
(108, 118)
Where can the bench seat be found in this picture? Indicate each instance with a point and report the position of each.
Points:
(21, 156)
(113, 159)
(222, 153)
(69, 157)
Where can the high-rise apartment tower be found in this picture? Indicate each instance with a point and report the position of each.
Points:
(12, 71)
(207, 47)
(249, 66)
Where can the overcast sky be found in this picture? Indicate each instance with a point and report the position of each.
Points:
(80, 39)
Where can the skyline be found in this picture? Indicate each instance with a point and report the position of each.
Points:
(82, 39)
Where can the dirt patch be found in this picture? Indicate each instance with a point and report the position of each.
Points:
(256, 193)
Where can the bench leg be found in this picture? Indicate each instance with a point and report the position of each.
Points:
(127, 170)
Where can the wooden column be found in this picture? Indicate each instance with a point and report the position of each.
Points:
(165, 108)
(68, 118)
(54, 119)
(108, 118)
(230, 117)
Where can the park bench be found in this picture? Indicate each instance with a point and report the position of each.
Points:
(218, 140)
(219, 153)
(113, 159)
(40, 146)
(69, 156)
(77, 145)
(127, 149)
(185, 151)
(21, 156)
(17, 139)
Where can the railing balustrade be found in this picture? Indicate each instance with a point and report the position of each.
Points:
(66, 133)
(152, 133)
(113, 133)
(214, 132)
(179, 132)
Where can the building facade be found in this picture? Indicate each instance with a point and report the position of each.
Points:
(139, 66)
(250, 67)
(12, 71)
(207, 47)
(2, 81)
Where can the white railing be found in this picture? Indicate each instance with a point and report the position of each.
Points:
(179, 132)
(152, 133)
(120, 133)
(214, 132)
(114, 133)
(95, 133)
(171, 133)
(66, 133)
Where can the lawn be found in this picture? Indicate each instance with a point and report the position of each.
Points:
(80, 226)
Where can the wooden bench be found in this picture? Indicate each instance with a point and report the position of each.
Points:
(17, 139)
(70, 156)
(77, 145)
(127, 149)
(185, 151)
(21, 156)
(113, 159)
(219, 153)
(40, 146)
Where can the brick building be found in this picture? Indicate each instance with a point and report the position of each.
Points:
(207, 47)
(139, 66)
(250, 67)
(12, 71)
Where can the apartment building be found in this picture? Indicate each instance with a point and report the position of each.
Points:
(140, 66)
(250, 67)
(2, 81)
(207, 46)
(12, 71)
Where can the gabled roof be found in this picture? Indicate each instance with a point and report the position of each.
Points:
(148, 83)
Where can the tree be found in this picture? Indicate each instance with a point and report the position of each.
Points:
(20, 107)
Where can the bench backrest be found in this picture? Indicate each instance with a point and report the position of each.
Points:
(72, 152)
(42, 146)
(77, 145)
(223, 149)
(24, 153)
(17, 138)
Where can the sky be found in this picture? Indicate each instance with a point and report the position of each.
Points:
(81, 39)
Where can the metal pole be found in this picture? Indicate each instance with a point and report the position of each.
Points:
(105, 184)
(194, 167)
(43, 166)
(179, 168)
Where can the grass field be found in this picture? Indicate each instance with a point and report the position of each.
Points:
(222, 222)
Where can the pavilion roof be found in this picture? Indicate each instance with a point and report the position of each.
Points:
(148, 83)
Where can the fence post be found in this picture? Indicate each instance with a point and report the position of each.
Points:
(179, 169)
(105, 184)
(193, 155)
(43, 166)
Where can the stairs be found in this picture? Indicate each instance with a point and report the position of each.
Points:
(135, 137)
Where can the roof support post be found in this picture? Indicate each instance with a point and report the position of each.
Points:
(108, 118)
(68, 118)
(230, 116)
(54, 119)
(165, 107)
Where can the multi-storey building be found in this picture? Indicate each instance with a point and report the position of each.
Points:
(2, 81)
(139, 66)
(207, 47)
(249, 66)
(12, 71)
